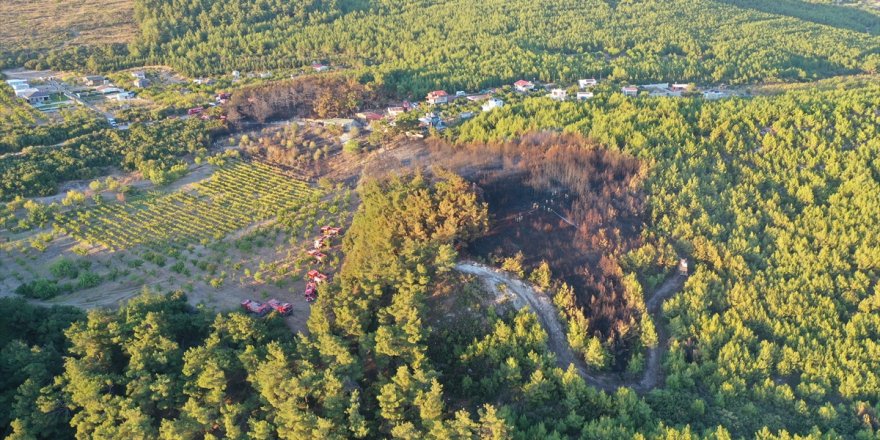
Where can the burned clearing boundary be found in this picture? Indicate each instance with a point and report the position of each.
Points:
(563, 199)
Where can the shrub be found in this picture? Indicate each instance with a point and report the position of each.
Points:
(41, 289)
(352, 147)
(88, 280)
(64, 268)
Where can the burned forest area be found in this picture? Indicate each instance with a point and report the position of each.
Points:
(579, 207)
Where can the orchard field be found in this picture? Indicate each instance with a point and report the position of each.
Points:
(241, 233)
(234, 197)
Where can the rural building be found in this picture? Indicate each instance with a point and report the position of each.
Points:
(438, 97)
(95, 80)
(492, 104)
(34, 96)
(236, 74)
(432, 120)
(108, 89)
(558, 94)
(584, 83)
(665, 93)
(681, 87)
(657, 86)
(714, 94)
(320, 67)
(630, 90)
(523, 86)
(683, 266)
(139, 74)
(395, 111)
(370, 116)
(123, 96)
(141, 83)
(583, 96)
(346, 123)
(18, 84)
(479, 97)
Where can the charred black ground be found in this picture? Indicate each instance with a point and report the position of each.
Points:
(578, 206)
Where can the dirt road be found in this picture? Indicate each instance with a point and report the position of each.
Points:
(522, 294)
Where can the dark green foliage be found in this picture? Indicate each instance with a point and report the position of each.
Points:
(155, 150)
(476, 44)
(64, 268)
(775, 201)
(31, 345)
(42, 288)
(88, 280)
(21, 134)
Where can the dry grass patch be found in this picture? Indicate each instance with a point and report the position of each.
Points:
(47, 24)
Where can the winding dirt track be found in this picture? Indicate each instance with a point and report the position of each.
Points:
(524, 294)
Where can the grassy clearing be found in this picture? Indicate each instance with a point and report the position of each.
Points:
(46, 24)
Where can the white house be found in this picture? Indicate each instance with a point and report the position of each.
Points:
(18, 84)
(396, 111)
(715, 94)
(34, 96)
(139, 74)
(630, 90)
(583, 96)
(523, 86)
(318, 67)
(558, 94)
(584, 83)
(657, 86)
(492, 104)
(108, 89)
(123, 96)
(681, 87)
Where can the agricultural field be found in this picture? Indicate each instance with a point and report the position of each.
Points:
(231, 199)
(242, 233)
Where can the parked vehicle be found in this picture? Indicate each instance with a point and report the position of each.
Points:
(255, 307)
(311, 291)
(316, 276)
(282, 308)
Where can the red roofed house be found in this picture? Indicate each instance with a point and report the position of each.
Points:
(320, 67)
(523, 86)
(371, 116)
(438, 97)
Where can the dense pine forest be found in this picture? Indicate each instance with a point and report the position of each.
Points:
(418, 46)
(614, 267)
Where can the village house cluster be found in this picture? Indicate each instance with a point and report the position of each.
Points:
(34, 95)
(583, 91)
(102, 86)
(48, 93)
